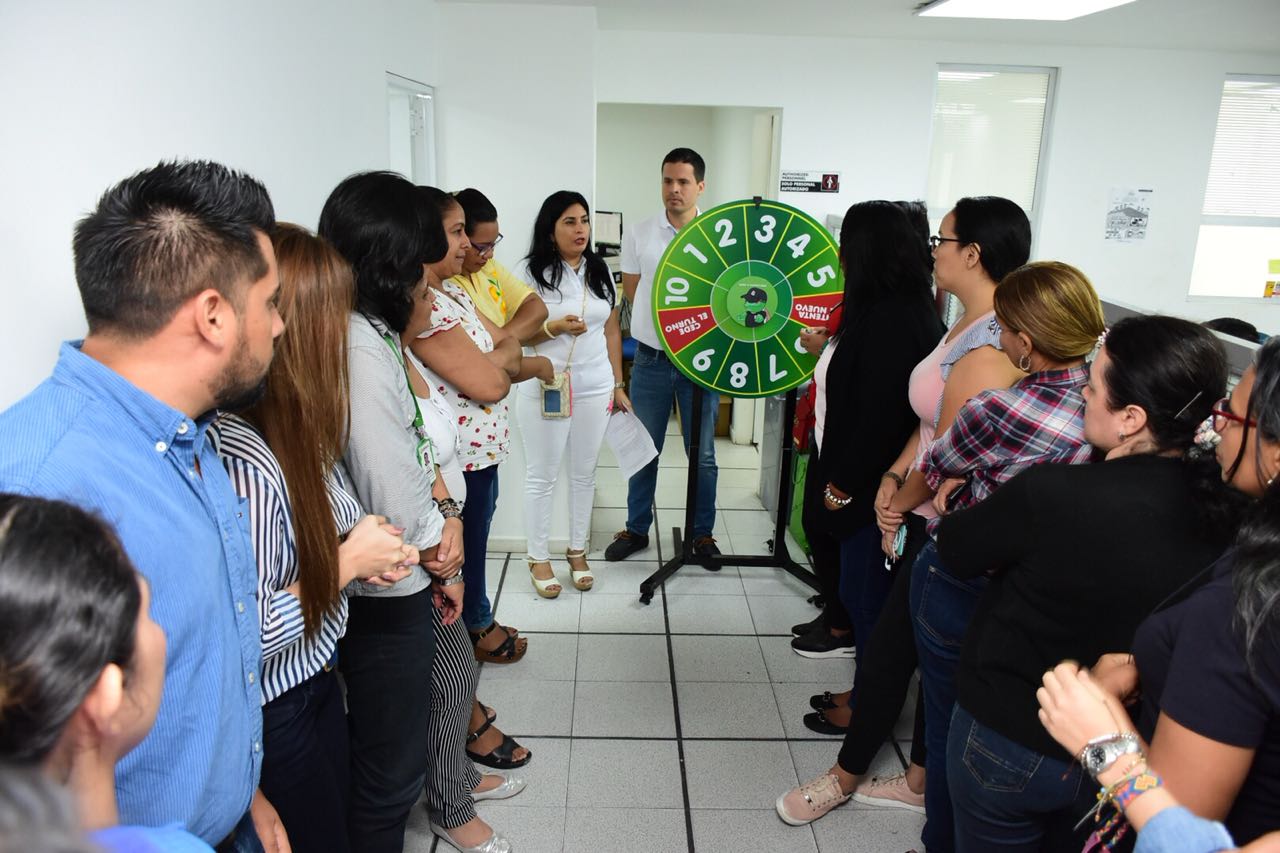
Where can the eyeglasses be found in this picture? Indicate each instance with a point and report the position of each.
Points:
(936, 240)
(482, 248)
(1222, 413)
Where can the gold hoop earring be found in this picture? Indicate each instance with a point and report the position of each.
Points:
(1024, 363)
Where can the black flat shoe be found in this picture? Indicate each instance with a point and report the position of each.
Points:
(825, 702)
(818, 722)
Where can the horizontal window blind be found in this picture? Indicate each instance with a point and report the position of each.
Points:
(1244, 174)
(987, 131)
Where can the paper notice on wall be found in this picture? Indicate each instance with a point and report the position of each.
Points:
(1128, 212)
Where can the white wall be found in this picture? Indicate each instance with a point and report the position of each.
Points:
(515, 112)
(292, 91)
(1122, 117)
(631, 140)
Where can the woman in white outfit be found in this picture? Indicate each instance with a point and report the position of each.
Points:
(583, 340)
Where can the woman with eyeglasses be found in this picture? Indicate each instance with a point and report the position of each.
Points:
(1076, 556)
(1210, 661)
(502, 297)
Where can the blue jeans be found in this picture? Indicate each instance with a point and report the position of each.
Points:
(477, 516)
(1008, 797)
(243, 839)
(864, 584)
(941, 607)
(654, 380)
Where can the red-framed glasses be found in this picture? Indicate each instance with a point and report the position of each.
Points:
(1222, 413)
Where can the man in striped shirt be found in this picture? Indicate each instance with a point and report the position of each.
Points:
(178, 282)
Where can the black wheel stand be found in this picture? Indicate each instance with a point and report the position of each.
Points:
(684, 554)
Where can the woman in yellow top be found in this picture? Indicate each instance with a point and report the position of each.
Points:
(502, 297)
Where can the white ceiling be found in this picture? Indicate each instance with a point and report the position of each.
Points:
(1233, 25)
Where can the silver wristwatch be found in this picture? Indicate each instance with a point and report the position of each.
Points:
(1101, 752)
(448, 581)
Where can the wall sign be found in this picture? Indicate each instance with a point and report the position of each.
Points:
(733, 291)
(810, 182)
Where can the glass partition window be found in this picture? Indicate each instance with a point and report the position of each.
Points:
(1238, 249)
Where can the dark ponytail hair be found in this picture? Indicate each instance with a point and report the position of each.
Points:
(543, 254)
(1175, 370)
(999, 228)
(69, 600)
(1256, 577)
(378, 224)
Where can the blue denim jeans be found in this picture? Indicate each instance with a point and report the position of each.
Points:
(864, 584)
(941, 607)
(243, 839)
(477, 516)
(1008, 797)
(654, 381)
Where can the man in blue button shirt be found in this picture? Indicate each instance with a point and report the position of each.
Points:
(178, 282)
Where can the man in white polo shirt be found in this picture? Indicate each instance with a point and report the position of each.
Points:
(654, 379)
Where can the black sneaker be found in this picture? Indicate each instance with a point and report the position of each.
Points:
(624, 544)
(705, 546)
(809, 627)
(823, 644)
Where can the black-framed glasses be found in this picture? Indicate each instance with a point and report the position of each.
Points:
(1222, 413)
(483, 248)
(937, 240)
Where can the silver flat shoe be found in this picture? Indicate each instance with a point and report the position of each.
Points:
(511, 785)
(496, 843)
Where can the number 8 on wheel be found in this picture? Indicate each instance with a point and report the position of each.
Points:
(733, 291)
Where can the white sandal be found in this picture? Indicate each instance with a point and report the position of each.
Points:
(582, 578)
(549, 588)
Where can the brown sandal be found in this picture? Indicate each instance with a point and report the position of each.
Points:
(509, 650)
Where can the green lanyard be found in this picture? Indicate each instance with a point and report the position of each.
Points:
(425, 451)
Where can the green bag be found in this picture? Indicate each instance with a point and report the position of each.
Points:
(799, 468)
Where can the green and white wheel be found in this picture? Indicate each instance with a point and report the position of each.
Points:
(733, 291)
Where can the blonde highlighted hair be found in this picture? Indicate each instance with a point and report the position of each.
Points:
(1055, 305)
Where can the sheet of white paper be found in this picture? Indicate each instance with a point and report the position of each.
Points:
(630, 443)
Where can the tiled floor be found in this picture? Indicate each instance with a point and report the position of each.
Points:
(673, 726)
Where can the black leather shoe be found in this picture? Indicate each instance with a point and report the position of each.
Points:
(624, 544)
(705, 546)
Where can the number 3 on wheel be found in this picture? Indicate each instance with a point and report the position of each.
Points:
(735, 288)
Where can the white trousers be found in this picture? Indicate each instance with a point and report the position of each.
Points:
(545, 442)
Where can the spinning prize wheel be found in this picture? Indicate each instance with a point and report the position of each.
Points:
(733, 291)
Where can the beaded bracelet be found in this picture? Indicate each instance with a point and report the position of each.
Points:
(830, 496)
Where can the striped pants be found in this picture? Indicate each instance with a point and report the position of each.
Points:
(451, 777)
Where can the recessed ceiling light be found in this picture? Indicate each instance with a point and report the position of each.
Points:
(1018, 10)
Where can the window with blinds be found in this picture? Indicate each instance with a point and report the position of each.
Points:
(988, 134)
(1238, 248)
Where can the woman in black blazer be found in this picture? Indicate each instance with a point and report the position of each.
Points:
(888, 324)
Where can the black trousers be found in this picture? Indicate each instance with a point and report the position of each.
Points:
(386, 658)
(824, 546)
(306, 771)
(883, 673)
